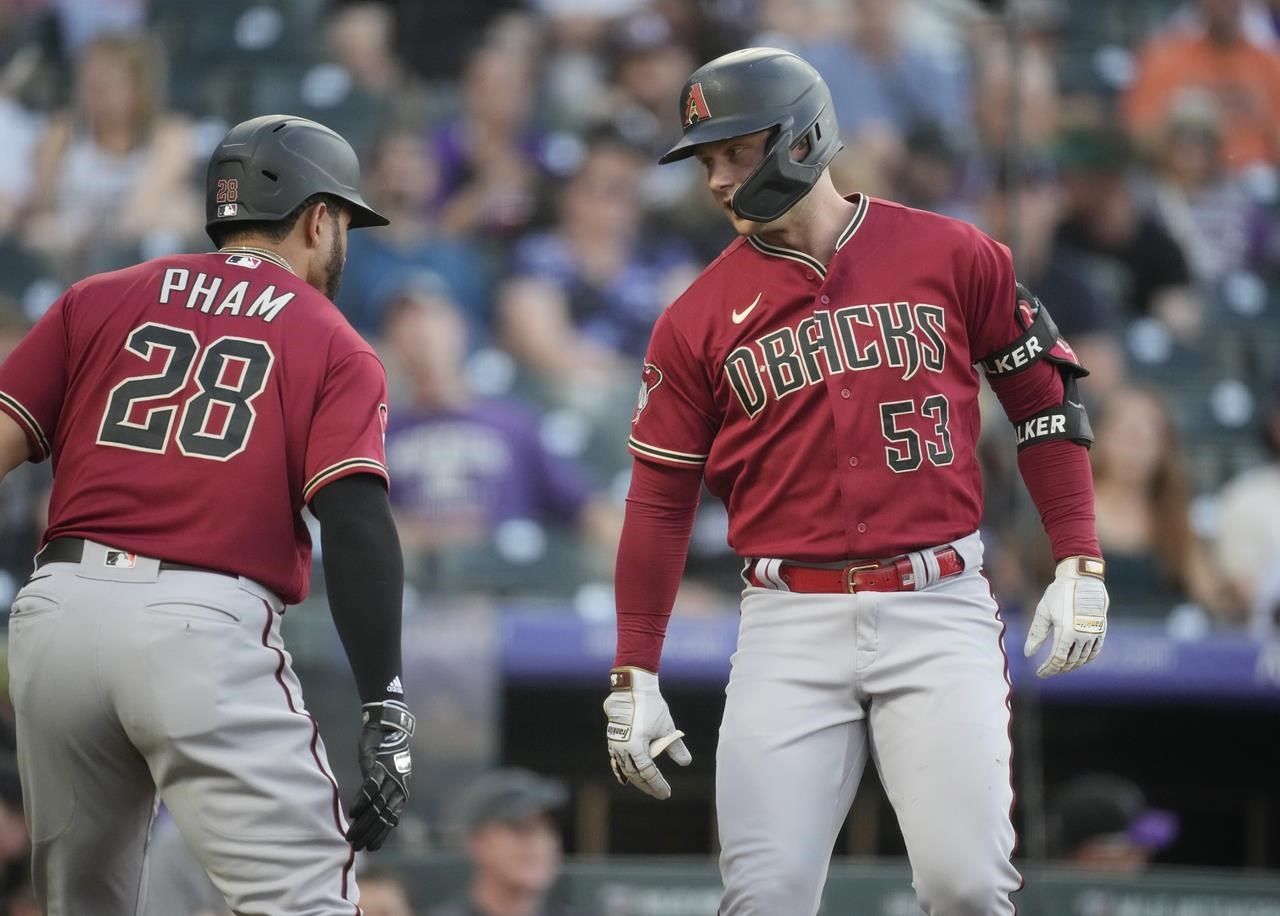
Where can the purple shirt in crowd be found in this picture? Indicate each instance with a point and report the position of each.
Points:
(481, 461)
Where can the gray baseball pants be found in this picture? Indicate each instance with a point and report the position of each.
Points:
(917, 681)
(132, 684)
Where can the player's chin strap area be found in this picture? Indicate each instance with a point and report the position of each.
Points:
(1040, 339)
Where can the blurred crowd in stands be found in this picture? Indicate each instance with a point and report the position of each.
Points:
(1127, 152)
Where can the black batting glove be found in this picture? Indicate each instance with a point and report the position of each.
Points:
(387, 767)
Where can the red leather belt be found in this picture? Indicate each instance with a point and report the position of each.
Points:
(891, 575)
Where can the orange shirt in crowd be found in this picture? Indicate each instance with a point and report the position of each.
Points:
(1242, 77)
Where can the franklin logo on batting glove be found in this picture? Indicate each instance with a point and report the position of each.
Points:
(640, 728)
(1074, 606)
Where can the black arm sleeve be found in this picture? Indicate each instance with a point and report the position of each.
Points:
(364, 574)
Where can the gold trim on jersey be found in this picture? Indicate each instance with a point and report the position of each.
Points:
(858, 216)
(665, 454)
(263, 253)
(777, 251)
(27, 419)
(322, 477)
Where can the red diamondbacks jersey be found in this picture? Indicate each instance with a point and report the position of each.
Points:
(835, 411)
(192, 405)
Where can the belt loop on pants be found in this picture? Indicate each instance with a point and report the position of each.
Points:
(904, 573)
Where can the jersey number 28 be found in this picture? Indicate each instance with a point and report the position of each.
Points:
(215, 421)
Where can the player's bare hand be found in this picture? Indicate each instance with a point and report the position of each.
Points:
(1074, 607)
(387, 767)
(641, 728)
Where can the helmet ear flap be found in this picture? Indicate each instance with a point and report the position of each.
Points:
(779, 181)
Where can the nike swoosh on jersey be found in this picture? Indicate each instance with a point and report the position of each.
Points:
(739, 317)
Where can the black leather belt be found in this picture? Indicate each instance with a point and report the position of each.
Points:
(71, 550)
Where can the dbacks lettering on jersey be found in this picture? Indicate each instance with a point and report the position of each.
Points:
(855, 338)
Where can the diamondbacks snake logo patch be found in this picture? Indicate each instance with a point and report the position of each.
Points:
(650, 379)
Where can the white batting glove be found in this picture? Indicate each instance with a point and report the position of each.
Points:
(640, 728)
(1075, 607)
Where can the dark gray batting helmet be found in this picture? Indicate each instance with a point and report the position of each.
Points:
(757, 89)
(265, 167)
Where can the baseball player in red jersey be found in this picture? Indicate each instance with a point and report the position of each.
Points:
(820, 377)
(193, 406)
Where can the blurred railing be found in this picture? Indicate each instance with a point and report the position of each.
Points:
(627, 887)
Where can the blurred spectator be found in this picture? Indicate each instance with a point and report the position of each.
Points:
(584, 294)
(382, 893)
(1207, 210)
(650, 66)
(432, 37)
(490, 154)
(402, 181)
(1143, 501)
(932, 174)
(480, 502)
(1136, 264)
(1058, 276)
(24, 492)
(1004, 97)
(22, 902)
(81, 21)
(790, 23)
(176, 881)
(1243, 78)
(882, 83)
(361, 38)
(513, 844)
(1248, 542)
(15, 840)
(114, 173)
(20, 128)
(574, 68)
(1101, 823)
(1259, 21)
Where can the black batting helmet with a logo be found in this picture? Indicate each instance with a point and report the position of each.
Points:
(265, 167)
(758, 89)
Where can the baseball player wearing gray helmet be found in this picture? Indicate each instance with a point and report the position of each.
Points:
(193, 406)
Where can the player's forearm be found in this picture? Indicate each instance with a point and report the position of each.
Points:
(1057, 472)
(661, 506)
(1060, 480)
(364, 576)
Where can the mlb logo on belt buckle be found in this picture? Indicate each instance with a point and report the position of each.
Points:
(120, 559)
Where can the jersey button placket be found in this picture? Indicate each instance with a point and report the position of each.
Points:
(862, 527)
(853, 461)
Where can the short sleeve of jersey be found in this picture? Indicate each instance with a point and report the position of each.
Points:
(675, 419)
(33, 380)
(992, 298)
(348, 430)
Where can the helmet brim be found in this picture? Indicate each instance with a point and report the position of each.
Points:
(365, 217)
(721, 129)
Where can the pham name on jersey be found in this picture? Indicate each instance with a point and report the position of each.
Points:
(243, 298)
